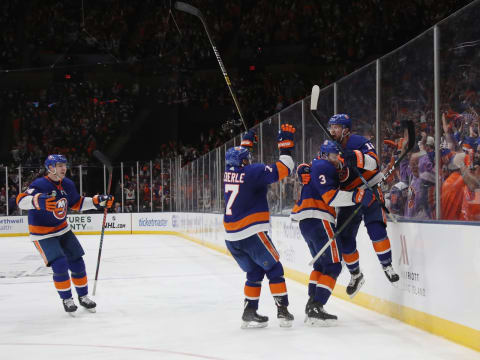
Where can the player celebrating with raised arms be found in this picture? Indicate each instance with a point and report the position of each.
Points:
(47, 200)
(360, 153)
(315, 211)
(247, 220)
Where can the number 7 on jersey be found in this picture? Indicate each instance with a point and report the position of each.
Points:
(233, 188)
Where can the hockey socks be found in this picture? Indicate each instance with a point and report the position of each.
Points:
(79, 276)
(61, 279)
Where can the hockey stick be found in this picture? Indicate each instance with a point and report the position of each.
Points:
(411, 135)
(313, 107)
(344, 225)
(103, 159)
(180, 5)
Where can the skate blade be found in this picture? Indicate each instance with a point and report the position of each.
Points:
(72, 314)
(360, 284)
(320, 323)
(253, 325)
(285, 323)
(92, 310)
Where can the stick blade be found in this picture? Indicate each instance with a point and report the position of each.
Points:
(103, 159)
(410, 127)
(180, 5)
(314, 97)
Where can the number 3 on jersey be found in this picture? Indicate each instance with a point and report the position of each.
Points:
(233, 188)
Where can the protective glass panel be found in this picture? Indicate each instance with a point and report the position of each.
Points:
(407, 94)
(460, 103)
(293, 116)
(3, 191)
(270, 156)
(129, 186)
(213, 180)
(356, 96)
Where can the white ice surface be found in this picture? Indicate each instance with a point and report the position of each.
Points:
(163, 297)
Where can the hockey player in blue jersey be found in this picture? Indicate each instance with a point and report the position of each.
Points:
(247, 220)
(47, 200)
(315, 211)
(360, 153)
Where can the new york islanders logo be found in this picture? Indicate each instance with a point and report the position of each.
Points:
(61, 209)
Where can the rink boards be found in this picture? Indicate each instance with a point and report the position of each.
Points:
(439, 264)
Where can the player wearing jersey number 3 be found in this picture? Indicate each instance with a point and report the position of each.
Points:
(47, 200)
(247, 220)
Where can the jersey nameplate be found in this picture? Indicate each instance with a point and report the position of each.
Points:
(231, 177)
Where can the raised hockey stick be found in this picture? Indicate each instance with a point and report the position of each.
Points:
(411, 135)
(180, 5)
(103, 159)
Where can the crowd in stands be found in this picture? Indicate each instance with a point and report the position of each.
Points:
(340, 36)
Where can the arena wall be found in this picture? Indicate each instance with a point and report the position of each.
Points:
(439, 264)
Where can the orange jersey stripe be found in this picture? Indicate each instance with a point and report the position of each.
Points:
(351, 258)
(20, 197)
(252, 292)
(35, 229)
(315, 204)
(327, 281)
(271, 249)
(329, 195)
(282, 170)
(250, 219)
(279, 288)
(372, 154)
(62, 285)
(80, 282)
(381, 246)
(367, 175)
(40, 250)
(78, 204)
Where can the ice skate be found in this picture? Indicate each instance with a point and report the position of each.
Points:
(69, 306)
(391, 275)
(87, 303)
(356, 282)
(317, 316)
(307, 307)
(251, 319)
(284, 317)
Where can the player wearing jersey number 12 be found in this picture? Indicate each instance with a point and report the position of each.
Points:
(247, 221)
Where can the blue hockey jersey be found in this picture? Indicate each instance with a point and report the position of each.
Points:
(44, 224)
(246, 206)
(369, 169)
(315, 196)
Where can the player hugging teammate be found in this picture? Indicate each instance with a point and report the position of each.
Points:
(331, 181)
(47, 200)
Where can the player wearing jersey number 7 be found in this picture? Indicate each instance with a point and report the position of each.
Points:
(247, 220)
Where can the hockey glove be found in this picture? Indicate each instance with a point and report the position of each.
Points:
(44, 202)
(354, 158)
(285, 138)
(364, 197)
(303, 172)
(249, 139)
(103, 201)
